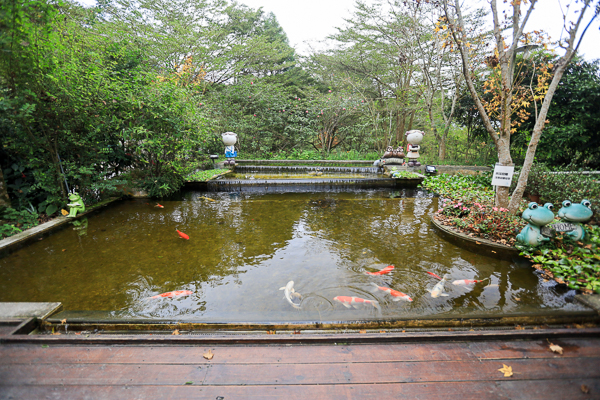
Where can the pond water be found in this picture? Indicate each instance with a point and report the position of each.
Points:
(243, 247)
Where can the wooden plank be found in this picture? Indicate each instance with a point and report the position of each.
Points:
(297, 374)
(23, 354)
(532, 390)
(354, 338)
(221, 374)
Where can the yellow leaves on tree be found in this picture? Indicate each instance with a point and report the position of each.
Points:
(530, 85)
(186, 74)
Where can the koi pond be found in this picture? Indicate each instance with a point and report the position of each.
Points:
(244, 247)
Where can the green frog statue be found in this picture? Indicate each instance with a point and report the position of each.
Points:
(76, 205)
(536, 216)
(577, 214)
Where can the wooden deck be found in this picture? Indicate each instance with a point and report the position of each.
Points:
(445, 368)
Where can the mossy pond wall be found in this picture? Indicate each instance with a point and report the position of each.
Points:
(243, 247)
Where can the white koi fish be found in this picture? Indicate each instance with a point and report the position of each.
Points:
(438, 289)
(289, 292)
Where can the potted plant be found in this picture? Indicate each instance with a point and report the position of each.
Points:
(535, 182)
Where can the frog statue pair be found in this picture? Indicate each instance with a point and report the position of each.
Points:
(538, 216)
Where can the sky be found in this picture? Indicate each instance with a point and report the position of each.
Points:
(308, 22)
(313, 20)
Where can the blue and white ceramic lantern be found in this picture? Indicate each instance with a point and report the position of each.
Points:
(229, 139)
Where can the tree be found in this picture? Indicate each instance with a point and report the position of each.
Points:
(505, 58)
(224, 42)
(376, 57)
(572, 133)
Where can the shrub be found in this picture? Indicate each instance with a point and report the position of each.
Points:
(13, 221)
(574, 263)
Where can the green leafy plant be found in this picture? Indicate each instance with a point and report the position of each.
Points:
(14, 221)
(203, 176)
(575, 264)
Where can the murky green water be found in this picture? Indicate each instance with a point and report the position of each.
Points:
(244, 247)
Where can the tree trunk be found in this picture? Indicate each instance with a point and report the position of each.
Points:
(442, 149)
(535, 138)
(4, 199)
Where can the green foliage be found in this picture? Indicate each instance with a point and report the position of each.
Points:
(573, 131)
(554, 185)
(13, 221)
(576, 264)
(466, 188)
(206, 175)
(403, 174)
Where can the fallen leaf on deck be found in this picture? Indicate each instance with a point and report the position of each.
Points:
(506, 370)
(208, 355)
(381, 331)
(175, 332)
(362, 331)
(519, 328)
(556, 348)
(477, 242)
(493, 251)
(189, 383)
(56, 333)
(64, 249)
(585, 389)
(63, 321)
(64, 212)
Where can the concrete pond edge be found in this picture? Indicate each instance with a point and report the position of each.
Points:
(24, 237)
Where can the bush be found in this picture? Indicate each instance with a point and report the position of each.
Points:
(13, 221)
(574, 263)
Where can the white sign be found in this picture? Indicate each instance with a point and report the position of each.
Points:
(502, 175)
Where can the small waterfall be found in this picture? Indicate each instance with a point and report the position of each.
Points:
(304, 168)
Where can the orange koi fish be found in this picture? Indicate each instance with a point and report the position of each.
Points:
(159, 205)
(349, 302)
(175, 293)
(182, 235)
(432, 274)
(397, 296)
(466, 282)
(386, 270)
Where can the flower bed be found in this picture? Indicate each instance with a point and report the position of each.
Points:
(467, 207)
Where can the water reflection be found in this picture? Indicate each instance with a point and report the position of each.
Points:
(244, 247)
